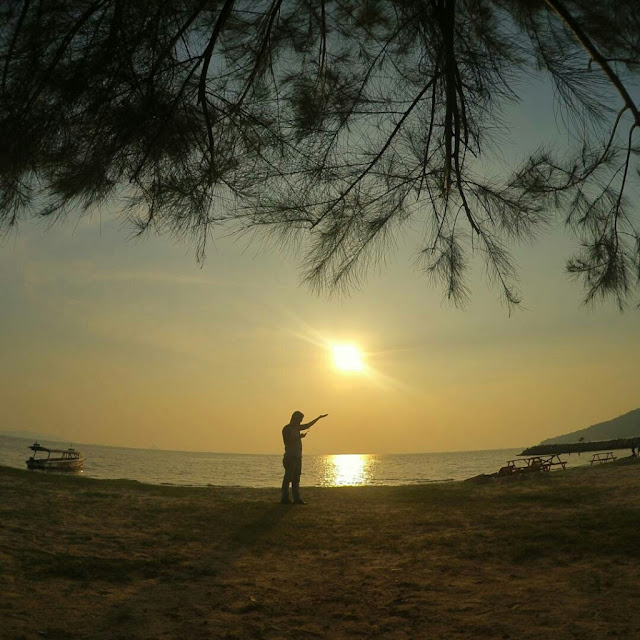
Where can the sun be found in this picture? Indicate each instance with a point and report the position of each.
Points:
(347, 357)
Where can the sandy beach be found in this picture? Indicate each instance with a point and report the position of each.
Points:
(547, 556)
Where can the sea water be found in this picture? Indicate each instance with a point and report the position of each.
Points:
(156, 466)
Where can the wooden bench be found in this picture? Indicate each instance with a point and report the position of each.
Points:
(532, 464)
(554, 461)
(602, 457)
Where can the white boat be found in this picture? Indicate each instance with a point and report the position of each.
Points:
(63, 460)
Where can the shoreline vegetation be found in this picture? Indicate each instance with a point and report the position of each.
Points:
(534, 556)
(582, 447)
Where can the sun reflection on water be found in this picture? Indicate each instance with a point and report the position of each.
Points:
(348, 469)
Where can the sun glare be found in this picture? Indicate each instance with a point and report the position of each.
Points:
(347, 357)
(349, 469)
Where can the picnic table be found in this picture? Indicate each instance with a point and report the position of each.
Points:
(534, 463)
(605, 456)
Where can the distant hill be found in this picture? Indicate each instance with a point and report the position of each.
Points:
(624, 426)
(32, 435)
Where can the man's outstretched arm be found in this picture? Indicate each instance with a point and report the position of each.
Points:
(310, 424)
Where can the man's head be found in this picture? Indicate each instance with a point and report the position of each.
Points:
(296, 417)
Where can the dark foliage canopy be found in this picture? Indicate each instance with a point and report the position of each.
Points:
(331, 125)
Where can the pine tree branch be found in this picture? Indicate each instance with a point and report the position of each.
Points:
(572, 24)
(225, 12)
(12, 45)
(380, 153)
(273, 13)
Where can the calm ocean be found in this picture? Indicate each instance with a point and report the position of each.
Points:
(248, 470)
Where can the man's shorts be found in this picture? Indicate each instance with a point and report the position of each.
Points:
(292, 465)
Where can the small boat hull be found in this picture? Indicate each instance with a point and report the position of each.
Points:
(55, 465)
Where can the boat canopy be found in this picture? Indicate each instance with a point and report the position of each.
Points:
(38, 447)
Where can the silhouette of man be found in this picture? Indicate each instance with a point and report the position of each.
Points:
(292, 461)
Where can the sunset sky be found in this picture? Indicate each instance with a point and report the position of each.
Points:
(115, 341)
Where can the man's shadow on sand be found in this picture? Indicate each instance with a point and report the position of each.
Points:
(252, 532)
(176, 587)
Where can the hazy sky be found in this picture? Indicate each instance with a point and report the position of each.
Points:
(113, 341)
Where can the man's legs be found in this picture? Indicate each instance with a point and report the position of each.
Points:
(292, 470)
(296, 471)
(286, 480)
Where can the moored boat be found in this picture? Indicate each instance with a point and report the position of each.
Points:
(63, 459)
